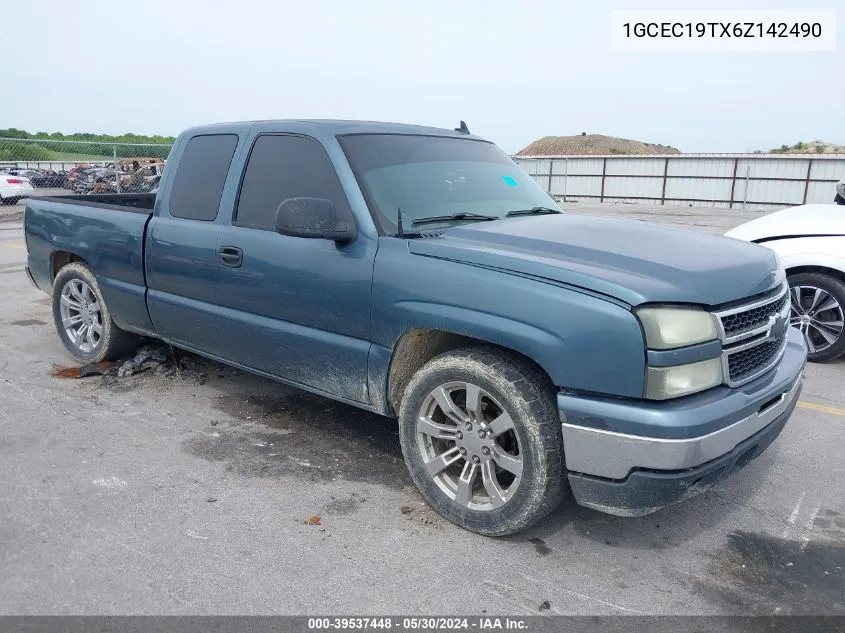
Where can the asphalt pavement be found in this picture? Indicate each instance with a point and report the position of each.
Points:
(199, 489)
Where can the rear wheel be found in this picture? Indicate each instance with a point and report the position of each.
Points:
(82, 318)
(480, 433)
(818, 310)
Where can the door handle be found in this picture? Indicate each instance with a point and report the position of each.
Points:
(231, 256)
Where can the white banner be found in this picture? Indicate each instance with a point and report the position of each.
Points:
(723, 30)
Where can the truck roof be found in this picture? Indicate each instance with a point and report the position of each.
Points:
(339, 126)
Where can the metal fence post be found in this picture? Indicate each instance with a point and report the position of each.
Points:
(733, 184)
(565, 174)
(807, 180)
(747, 176)
(603, 176)
(116, 171)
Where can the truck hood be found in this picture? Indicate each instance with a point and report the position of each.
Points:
(632, 261)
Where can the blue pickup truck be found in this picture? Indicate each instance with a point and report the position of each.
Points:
(418, 273)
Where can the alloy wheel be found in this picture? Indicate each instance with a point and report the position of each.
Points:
(81, 314)
(469, 446)
(818, 315)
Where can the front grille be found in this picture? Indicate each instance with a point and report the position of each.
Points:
(748, 362)
(742, 322)
(753, 337)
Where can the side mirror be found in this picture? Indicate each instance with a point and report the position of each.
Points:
(313, 218)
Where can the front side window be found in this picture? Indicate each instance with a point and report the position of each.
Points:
(200, 176)
(282, 167)
(428, 176)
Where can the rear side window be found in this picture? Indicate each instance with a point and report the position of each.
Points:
(282, 167)
(200, 176)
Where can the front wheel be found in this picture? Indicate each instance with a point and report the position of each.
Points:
(818, 304)
(481, 436)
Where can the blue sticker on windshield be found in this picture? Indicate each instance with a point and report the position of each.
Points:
(509, 181)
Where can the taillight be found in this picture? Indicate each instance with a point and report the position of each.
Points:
(14, 181)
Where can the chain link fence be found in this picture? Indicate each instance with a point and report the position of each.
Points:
(46, 166)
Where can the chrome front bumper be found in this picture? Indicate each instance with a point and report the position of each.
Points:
(614, 455)
(610, 439)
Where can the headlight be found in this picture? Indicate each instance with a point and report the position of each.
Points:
(666, 328)
(672, 382)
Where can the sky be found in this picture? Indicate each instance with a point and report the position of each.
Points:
(514, 71)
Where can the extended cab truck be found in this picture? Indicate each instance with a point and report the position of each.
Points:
(419, 273)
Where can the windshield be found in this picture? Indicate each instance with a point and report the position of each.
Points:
(429, 176)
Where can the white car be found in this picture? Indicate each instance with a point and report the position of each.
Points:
(810, 241)
(13, 188)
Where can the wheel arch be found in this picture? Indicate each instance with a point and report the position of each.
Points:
(60, 259)
(819, 270)
(418, 346)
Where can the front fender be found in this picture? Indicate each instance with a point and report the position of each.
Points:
(826, 252)
(583, 342)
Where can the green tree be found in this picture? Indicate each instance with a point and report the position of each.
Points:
(23, 151)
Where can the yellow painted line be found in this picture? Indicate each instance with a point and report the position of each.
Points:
(822, 408)
(16, 246)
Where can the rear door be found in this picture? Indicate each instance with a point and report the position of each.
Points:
(182, 264)
(294, 308)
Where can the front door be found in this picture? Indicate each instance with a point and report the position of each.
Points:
(292, 307)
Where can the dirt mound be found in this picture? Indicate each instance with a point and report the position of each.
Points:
(592, 144)
(810, 147)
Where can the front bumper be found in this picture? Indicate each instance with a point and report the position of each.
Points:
(631, 473)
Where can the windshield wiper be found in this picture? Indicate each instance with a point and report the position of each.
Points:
(463, 215)
(533, 211)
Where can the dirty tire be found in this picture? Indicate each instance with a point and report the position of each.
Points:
(836, 289)
(114, 343)
(528, 397)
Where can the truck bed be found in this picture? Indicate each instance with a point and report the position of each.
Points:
(133, 202)
(87, 228)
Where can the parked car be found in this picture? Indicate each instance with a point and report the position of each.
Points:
(102, 180)
(130, 165)
(13, 188)
(140, 180)
(144, 185)
(74, 174)
(47, 178)
(419, 273)
(810, 241)
(87, 179)
(37, 177)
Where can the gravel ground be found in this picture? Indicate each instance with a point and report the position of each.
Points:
(695, 218)
(197, 490)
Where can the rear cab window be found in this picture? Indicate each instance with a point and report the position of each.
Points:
(201, 175)
(281, 167)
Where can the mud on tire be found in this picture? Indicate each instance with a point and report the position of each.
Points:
(510, 386)
(84, 305)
